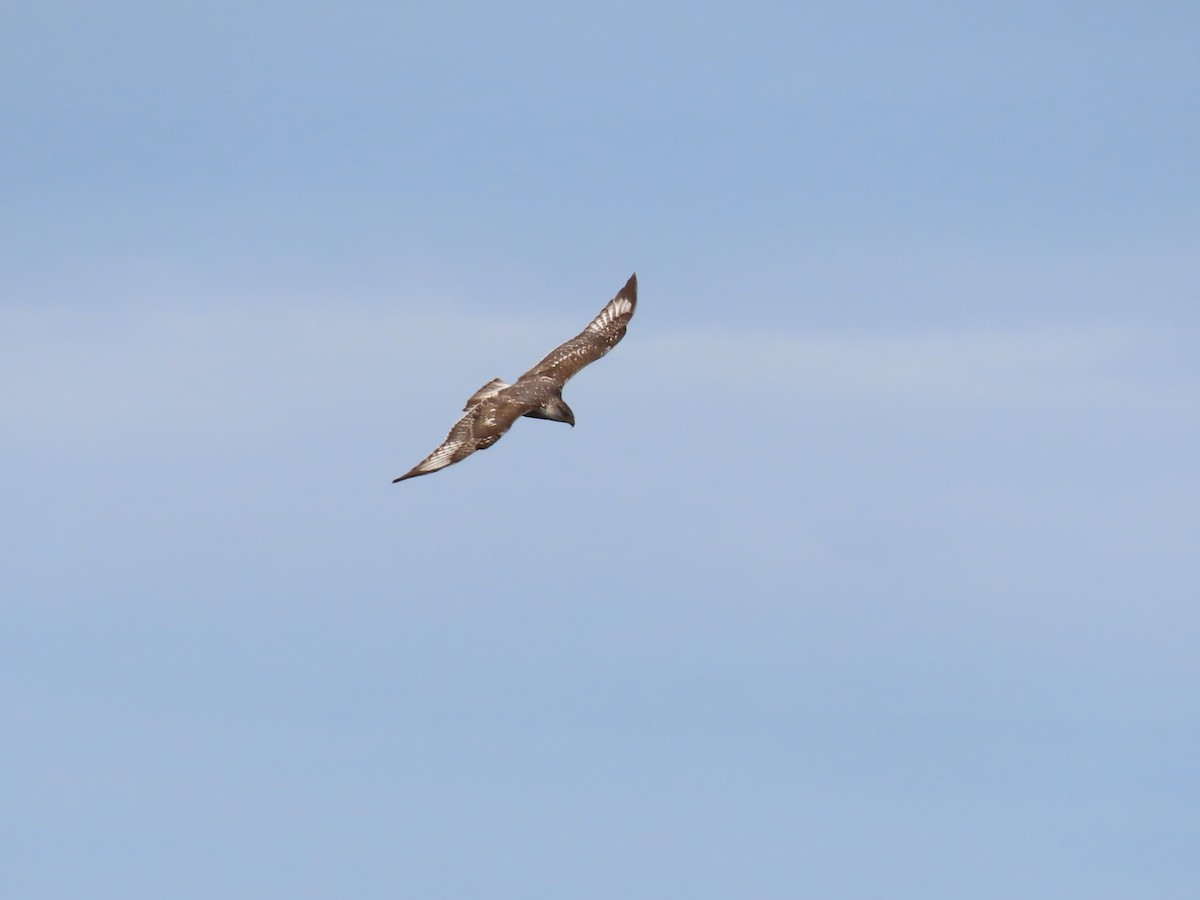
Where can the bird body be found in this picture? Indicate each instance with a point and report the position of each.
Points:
(492, 410)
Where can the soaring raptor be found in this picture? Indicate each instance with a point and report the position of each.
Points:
(493, 409)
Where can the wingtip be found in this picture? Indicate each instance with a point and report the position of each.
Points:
(413, 473)
(630, 289)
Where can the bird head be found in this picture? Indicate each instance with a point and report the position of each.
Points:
(562, 412)
(556, 410)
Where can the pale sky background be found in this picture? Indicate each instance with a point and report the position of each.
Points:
(870, 569)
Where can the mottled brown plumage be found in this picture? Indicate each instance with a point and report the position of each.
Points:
(537, 394)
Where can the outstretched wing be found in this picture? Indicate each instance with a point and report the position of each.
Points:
(483, 425)
(593, 342)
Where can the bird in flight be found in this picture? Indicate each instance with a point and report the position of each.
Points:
(493, 409)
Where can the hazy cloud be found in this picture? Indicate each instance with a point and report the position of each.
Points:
(86, 375)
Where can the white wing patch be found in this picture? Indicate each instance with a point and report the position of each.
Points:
(613, 310)
(440, 458)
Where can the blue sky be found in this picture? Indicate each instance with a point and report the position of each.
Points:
(870, 568)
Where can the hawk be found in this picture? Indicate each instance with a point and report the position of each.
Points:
(493, 409)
